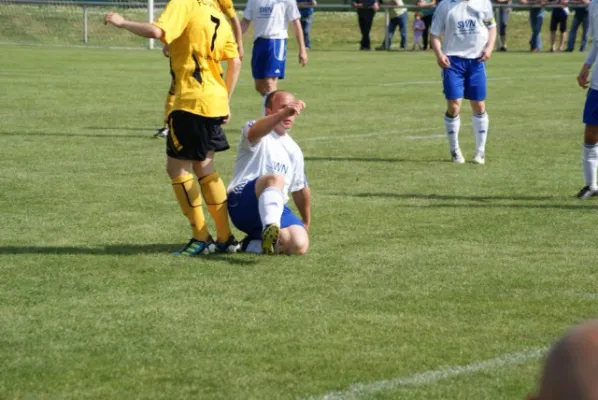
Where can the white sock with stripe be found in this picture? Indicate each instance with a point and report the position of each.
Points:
(480, 130)
(590, 165)
(271, 206)
(452, 126)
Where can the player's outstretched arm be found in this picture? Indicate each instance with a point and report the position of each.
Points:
(299, 35)
(238, 33)
(138, 28)
(265, 125)
(302, 199)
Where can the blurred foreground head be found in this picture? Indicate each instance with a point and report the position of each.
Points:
(571, 370)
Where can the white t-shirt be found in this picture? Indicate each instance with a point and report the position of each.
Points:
(463, 25)
(271, 17)
(273, 154)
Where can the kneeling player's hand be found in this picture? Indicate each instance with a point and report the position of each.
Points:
(582, 78)
(293, 108)
(443, 61)
(114, 19)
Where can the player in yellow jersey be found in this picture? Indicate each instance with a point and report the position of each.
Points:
(227, 8)
(198, 38)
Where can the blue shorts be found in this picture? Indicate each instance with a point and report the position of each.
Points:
(268, 59)
(245, 214)
(465, 78)
(590, 111)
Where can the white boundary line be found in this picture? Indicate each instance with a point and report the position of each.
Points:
(503, 78)
(360, 390)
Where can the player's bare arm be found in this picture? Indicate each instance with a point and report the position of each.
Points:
(302, 199)
(142, 29)
(265, 125)
(238, 33)
(166, 51)
(487, 52)
(584, 73)
(442, 60)
(232, 75)
(245, 25)
(299, 35)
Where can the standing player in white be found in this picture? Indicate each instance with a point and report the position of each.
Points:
(590, 112)
(271, 19)
(468, 32)
(269, 165)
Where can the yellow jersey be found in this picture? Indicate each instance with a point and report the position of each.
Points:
(199, 38)
(226, 7)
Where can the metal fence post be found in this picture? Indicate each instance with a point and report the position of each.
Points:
(85, 24)
(150, 17)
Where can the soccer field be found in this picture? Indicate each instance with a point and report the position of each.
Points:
(425, 279)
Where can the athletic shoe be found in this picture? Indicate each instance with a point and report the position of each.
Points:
(230, 246)
(478, 158)
(586, 193)
(194, 248)
(269, 238)
(161, 133)
(457, 156)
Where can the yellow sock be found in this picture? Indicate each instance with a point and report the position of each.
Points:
(168, 105)
(187, 193)
(214, 193)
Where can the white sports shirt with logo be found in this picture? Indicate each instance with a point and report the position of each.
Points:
(273, 154)
(271, 17)
(593, 53)
(463, 25)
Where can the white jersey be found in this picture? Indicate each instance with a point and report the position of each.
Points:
(463, 25)
(273, 154)
(593, 53)
(271, 17)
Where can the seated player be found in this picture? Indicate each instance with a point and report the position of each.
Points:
(269, 165)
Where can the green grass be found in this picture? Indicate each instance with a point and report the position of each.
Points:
(416, 264)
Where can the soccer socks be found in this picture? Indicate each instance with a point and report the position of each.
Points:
(271, 205)
(189, 198)
(168, 105)
(214, 193)
(480, 130)
(452, 126)
(590, 165)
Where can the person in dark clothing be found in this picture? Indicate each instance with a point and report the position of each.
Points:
(366, 10)
(427, 8)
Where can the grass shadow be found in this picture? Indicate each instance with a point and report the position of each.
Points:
(118, 249)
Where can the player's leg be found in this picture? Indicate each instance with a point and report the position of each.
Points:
(475, 91)
(453, 80)
(180, 151)
(168, 105)
(293, 239)
(213, 139)
(269, 193)
(269, 66)
(590, 146)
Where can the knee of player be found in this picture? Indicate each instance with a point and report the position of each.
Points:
(273, 180)
(299, 241)
(478, 107)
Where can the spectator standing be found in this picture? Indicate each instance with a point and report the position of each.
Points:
(536, 19)
(427, 9)
(503, 19)
(579, 18)
(418, 30)
(398, 17)
(306, 8)
(366, 10)
(558, 21)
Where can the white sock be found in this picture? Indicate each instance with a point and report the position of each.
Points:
(264, 104)
(254, 246)
(480, 130)
(271, 205)
(590, 165)
(452, 126)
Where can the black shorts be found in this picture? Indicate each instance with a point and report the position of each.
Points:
(558, 19)
(191, 137)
